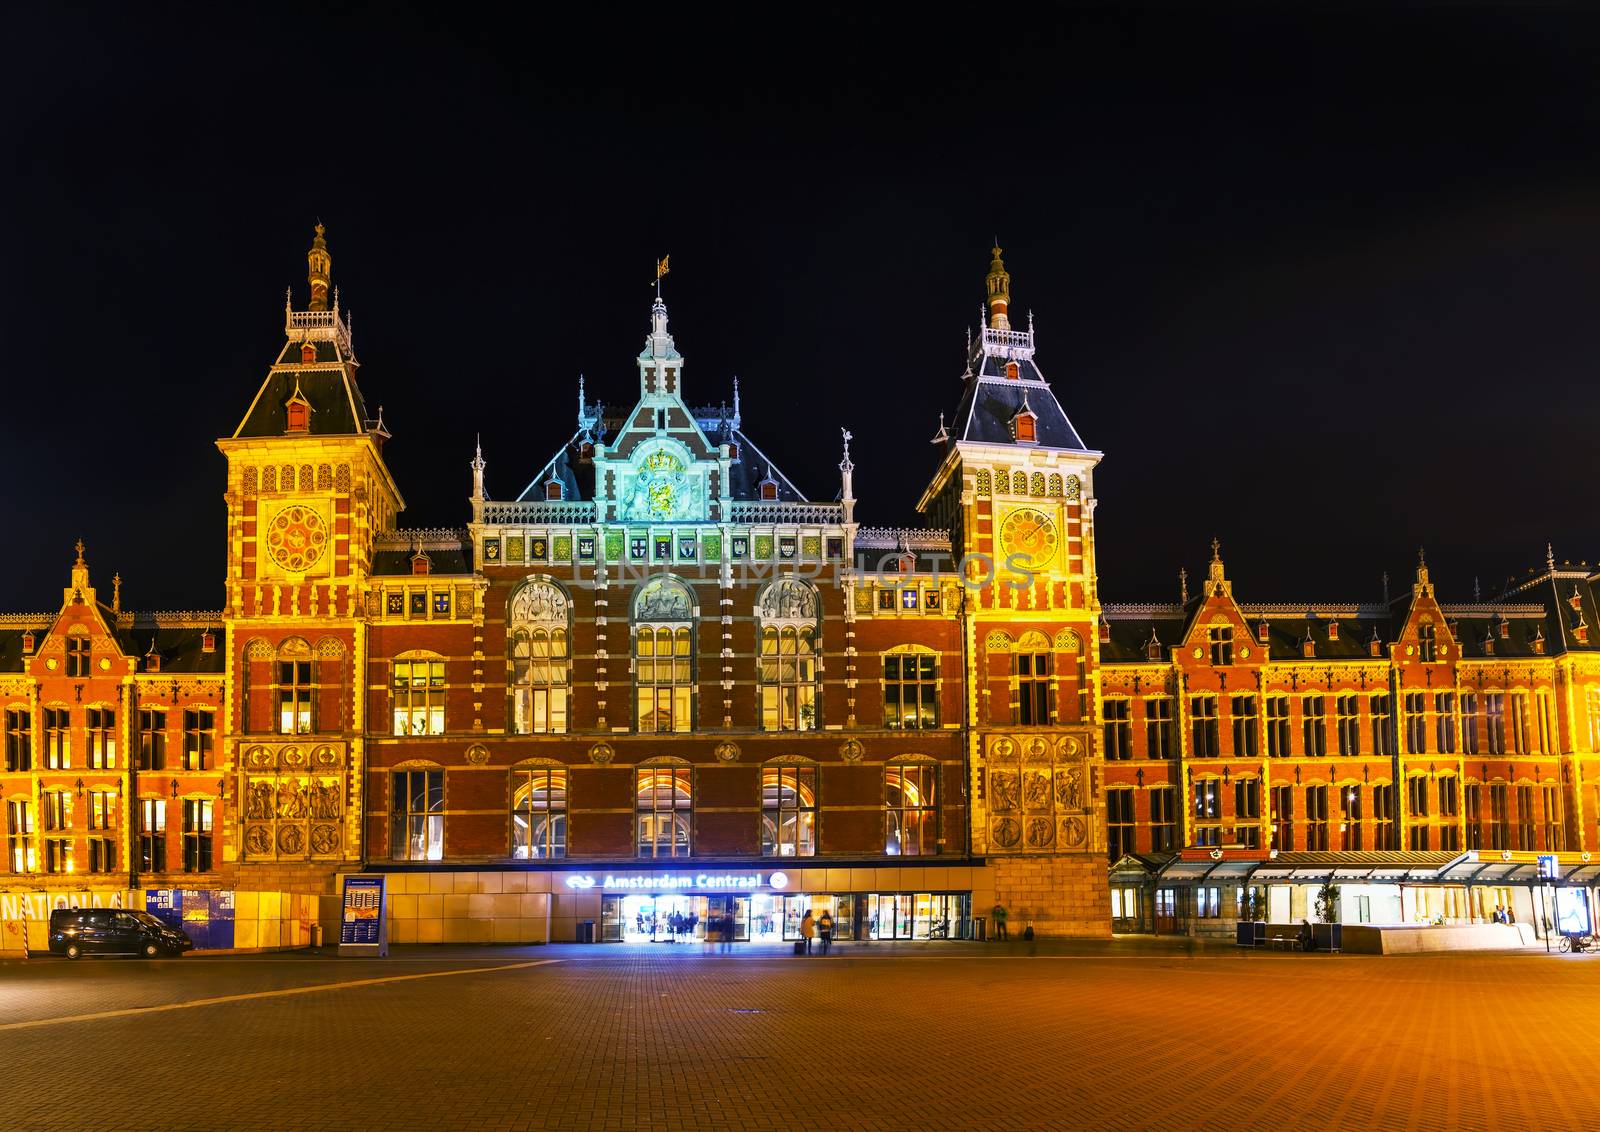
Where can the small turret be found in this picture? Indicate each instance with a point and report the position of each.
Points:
(999, 284)
(319, 266)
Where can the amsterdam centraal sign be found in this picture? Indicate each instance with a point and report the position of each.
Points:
(679, 882)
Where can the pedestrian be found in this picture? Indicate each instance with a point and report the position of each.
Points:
(1000, 922)
(808, 928)
(727, 933)
(825, 930)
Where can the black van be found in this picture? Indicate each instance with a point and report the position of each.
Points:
(113, 931)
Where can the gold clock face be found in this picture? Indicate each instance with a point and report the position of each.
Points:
(296, 538)
(1029, 536)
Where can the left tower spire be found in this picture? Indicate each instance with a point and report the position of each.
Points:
(319, 269)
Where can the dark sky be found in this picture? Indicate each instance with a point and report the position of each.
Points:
(1321, 285)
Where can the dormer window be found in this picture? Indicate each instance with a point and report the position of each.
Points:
(1375, 646)
(208, 641)
(1011, 371)
(1308, 647)
(152, 659)
(1024, 427)
(907, 563)
(1152, 651)
(27, 641)
(769, 490)
(420, 563)
(1576, 600)
(1333, 630)
(1505, 628)
(1488, 644)
(553, 490)
(1581, 632)
(308, 353)
(1262, 631)
(297, 412)
(1105, 631)
(1538, 644)
(586, 452)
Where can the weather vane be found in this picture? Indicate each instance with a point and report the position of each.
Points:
(661, 269)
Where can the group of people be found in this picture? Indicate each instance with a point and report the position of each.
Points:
(1502, 914)
(817, 928)
(676, 923)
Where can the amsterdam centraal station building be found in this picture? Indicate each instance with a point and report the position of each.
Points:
(664, 685)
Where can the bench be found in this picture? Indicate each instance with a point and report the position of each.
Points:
(1282, 942)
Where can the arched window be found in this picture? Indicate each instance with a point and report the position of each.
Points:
(663, 616)
(788, 811)
(664, 811)
(539, 813)
(538, 659)
(788, 612)
(911, 810)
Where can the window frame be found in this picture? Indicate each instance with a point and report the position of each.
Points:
(922, 685)
(540, 797)
(914, 820)
(789, 810)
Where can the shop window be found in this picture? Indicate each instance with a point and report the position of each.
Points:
(1313, 714)
(196, 835)
(1125, 902)
(1220, 640)
(19, 740)
(416, 815)
(1158, 728)
(1205, 737)
(152, 835)
(1119, 821)
(78, 656)
(199, 738)
(57, 738)
(911, 691)
(912, 811)
(1382, 708)
(1278, 726)
(417, 689)
(1282, 816)
(788, 811)
(1163, 819)
(1207, 902)
(1242, 710)
(1347, 723)
(100, 732)
(1118, 730)
(665, 810)
(663, 656)
(539, 813)
(1031, 670)
(539, 660)
(1316, 818)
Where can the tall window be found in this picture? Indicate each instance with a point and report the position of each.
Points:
(788, 613)
(57, 808)
(1383, 826)
(57, 738)
(1163, 819)
(199, 738)
(1118, 730)
(1417, 796)
(1469, 722)
(1449, 802)
(152, 835)
(19, 836)
(19, 740)
(1315, 721)
(1499, 816)
(294, 697)
(1207, 812)
(1593, 700)
(1519, 722)
(77, 656)
(539, 813)
(1554, 828)
(1444, 709)
(1347, 722)
(1283, 818)
(1158, 728)
(1220, 638)
(1427, 644)
(1382, 708)
(664, 811)
(1416, 723)
(911, 826)
(1278, 726)
(100, 730)
(1242, 708)
(1494, 712)
(910, 691)
(1547, 735)
(152, 739)
(663, 614)
(539, 659)
(1119, 821)
(416, 815)
(418, 695)
(1032, 673)
(102, 818)
(1206, 742)
(1473, 804)
(1247, 812)
(788, 811)
(1525, 819)
(1350, 818)
(1316, 817)
(196, 835)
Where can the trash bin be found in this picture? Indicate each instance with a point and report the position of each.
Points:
(316, 935)
(585, 931)
(980, 928)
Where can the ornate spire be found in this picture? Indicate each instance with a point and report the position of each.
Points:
(1549, 556)
(116, 595)
(1183, 586)
(478, 464)
(1216, 577)
(943, 435)
(79, 547)
(319, 269)
(1422, 567)
(846, 465)
(999, 285)
(737, 419)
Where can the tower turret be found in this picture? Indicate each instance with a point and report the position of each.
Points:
(999, 283)
(319, 268)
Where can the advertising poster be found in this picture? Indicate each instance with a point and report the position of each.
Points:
(363, 927)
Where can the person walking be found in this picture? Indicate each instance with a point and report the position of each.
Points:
(808, 928)
(825, 930)
(1000, 922)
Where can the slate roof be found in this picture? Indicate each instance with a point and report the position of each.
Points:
(336, 405)
(990, 400)
(181, 648)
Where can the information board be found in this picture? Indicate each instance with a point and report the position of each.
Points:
(363, 916)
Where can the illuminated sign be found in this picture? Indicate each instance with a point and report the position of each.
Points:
(1548, 868)
(669, 882)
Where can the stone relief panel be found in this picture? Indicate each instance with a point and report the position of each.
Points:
(1036, 795)
(294, 801)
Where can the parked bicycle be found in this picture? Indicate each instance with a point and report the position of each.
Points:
(1579, 943)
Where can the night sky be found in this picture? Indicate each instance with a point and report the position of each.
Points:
(1322, 286)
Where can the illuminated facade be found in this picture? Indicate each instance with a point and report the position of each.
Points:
(664, 688)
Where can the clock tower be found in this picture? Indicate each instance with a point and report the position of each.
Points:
(1015, 487)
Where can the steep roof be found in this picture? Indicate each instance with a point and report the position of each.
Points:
(991, 400)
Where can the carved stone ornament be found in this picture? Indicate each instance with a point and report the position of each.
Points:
(294, 756)
(851, 750)
(1007, 832)
(727, 751)
(324, 839)
(1067, 747)
(1036, 748)
(258, 840)
(1001, 748)
(324, 757)
(291, 840)
(477, 754)
(601, 754)
(259, 758)
(1073, 831)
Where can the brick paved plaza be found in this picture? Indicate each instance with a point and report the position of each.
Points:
(959, 1036)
